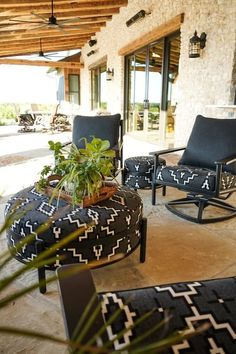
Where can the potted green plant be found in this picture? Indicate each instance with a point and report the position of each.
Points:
(79, 174)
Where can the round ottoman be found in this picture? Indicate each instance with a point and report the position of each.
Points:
(138, 171)
(117, 227)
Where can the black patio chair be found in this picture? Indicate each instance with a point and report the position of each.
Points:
(206, 171)
(108, 127)
(187, 305)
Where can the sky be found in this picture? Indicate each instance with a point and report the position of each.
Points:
(21, 84)
(30, 84)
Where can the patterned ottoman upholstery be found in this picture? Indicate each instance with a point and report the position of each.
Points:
(117, 226)
(138, 171)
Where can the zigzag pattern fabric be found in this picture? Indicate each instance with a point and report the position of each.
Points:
(116, 226)
(194, 177)
(190, 305)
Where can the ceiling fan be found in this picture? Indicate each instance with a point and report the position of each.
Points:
(58, 55)
(51, 22)
(41, 52)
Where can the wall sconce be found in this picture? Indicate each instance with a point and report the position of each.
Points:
(91, 53)
(92, 42)
(110, 74)
(136, 17)
(196, 44)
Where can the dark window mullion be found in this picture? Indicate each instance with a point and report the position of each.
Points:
(146, 98)
(99, 87)
(165, 74)
(126, 92)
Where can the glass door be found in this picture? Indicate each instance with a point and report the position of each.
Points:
(151, 90)
(153, 84)
(99, 88)
(173, 73)
(136, 91)
(144, 88)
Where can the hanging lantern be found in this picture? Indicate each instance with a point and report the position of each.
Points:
(196, 43)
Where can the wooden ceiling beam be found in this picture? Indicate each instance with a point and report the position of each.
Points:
(19, 52)
(54, 64)
(22, 3)
(58, 46)
(22, 24)
(59, 15)
(45, 46)
(22, 35)
(83, 21)
(34, 40)
(35, 46)
(66, 7)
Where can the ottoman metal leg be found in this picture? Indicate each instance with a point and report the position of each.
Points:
(123, 174)
(41, 270)
(143, 240)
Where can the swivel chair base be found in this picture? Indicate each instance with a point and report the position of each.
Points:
(201, 203)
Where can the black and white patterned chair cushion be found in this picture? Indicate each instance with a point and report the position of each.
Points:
(138, 171)
(116, 227)
(190, 305)
(194, 178)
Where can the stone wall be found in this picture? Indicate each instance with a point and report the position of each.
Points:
(203, 81)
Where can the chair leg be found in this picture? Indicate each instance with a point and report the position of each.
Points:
(201, 203)
(41, 270)
(164, 191)
(153, 193)
(201, 206)
(143, 240)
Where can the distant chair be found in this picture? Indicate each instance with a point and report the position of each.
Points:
(104, 127)
(206, 170)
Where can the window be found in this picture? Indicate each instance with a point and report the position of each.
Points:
(151, 89)
(99, 87)
(74, 92)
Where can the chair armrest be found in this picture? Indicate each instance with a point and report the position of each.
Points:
(167, 151)
(226, 161)
(76, 289)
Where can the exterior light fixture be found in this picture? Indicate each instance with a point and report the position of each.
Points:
(110, 74)
(91, 53)
(92, 42)
(136, 17)
(196, 43)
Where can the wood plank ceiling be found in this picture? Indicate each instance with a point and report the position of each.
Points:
(59, 24)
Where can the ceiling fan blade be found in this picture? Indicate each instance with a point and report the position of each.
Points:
(73, 27)
(8, 18)
(42, 55)
(75, 19)
(40, 16)
(41, 26)
(46, 57)
(53, 54)
(60, 28)
(24, 21)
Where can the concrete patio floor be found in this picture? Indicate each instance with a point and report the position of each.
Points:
(176, 249)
